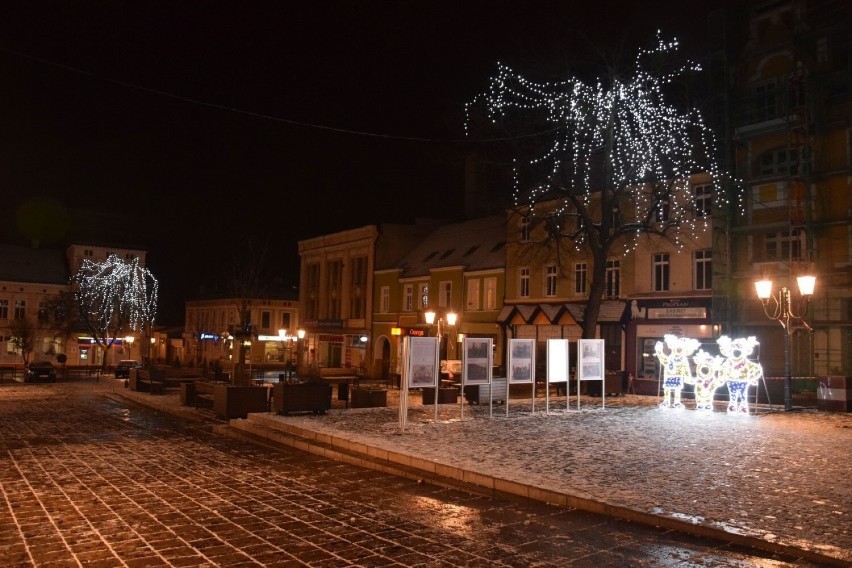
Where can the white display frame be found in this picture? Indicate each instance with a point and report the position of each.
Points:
(472, 349)
(591, 365)
(558, 368)
(423, 365)
(521, 356)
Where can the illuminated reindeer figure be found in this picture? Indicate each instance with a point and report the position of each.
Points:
(707, 378)
(675, 367)
(739, 373)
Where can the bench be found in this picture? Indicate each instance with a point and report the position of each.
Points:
(314, 396)
(153, 386)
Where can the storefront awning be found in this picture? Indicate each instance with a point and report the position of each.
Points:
(555, 314)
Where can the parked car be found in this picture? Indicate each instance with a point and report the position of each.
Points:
(40, 371)
(124, 366)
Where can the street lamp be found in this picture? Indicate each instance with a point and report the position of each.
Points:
(451, 316)
(130, 339)
(784, 313)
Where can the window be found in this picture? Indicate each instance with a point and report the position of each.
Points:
(661, 272)
(524, 282)
(550, 280)
(445, 297)
(335, 288)
(778, 162)
(358, 299)
(43, 312)
(408, 298)
(423, 295)
(286, 320)
(20, 309)
(313, 284)
(4, 309)
(490, 285)
(613, 278)
(473, 294)
(703, 200)
(765, 102)
(264, 320)
(525, 229)
(581, 273)
(703, 270)
(783, 245)
(384, 304)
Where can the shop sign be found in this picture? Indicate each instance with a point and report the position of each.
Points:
(331, 338)
(414, 332)
(676, 309)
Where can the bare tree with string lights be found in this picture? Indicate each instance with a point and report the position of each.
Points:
(614, 164)
(113, 298)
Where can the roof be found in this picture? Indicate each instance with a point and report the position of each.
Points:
(28, 264)
(478, 244)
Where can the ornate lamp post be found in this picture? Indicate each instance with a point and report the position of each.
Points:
(781, 310)
(451, 316)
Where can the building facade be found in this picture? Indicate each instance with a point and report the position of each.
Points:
(336, 293)
(31, 282)
(459, 269)
(791, 116)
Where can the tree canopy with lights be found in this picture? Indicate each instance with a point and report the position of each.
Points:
(113, 298)
(611, 161)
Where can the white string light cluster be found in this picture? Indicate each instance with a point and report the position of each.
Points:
(652, 150)
(116, 295)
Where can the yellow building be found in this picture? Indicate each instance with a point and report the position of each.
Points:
(458, 268)
(337, 294)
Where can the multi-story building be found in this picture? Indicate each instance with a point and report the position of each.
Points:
(653, 285)
(31, 280)
(210, 328)
(458, 268)
(791, 112)
(336, 293)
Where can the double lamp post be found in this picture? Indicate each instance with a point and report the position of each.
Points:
(782, 310)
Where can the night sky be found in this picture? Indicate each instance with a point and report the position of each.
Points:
(191, 128)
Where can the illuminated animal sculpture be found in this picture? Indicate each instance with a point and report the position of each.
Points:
(739, 373)
(706, 379)
(675, 367)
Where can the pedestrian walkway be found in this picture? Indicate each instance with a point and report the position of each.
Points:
(778, 481)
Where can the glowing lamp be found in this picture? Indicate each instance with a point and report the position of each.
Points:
(301, 333)
(396, 331)
(430, 317)
(763, 288)
(806, 285)
(451, 318)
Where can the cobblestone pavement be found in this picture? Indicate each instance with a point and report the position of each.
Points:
(780, 477)
(88, 481)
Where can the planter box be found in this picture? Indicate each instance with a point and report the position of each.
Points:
(445, 395)
(835, 393)
(369, 398)
(302, 397)
(231, 401)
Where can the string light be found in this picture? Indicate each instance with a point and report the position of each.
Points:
(655, 153)
(114, 295)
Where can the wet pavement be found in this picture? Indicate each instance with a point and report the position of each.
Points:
(89, 480)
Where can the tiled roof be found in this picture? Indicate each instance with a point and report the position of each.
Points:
(27, 264)
(478, 244)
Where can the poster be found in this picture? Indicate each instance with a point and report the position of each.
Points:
(423, 362)
(477, 360)
(557, 361)
(590, 353)
(521, 360)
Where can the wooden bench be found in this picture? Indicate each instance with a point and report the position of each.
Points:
(153, 386)
(479, 394)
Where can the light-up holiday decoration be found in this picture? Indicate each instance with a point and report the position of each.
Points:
(114, 296)
(675, 367)
(739, 373)
(706, 379)
(622, 162)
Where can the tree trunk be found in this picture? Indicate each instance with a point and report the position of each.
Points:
(596, 293)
